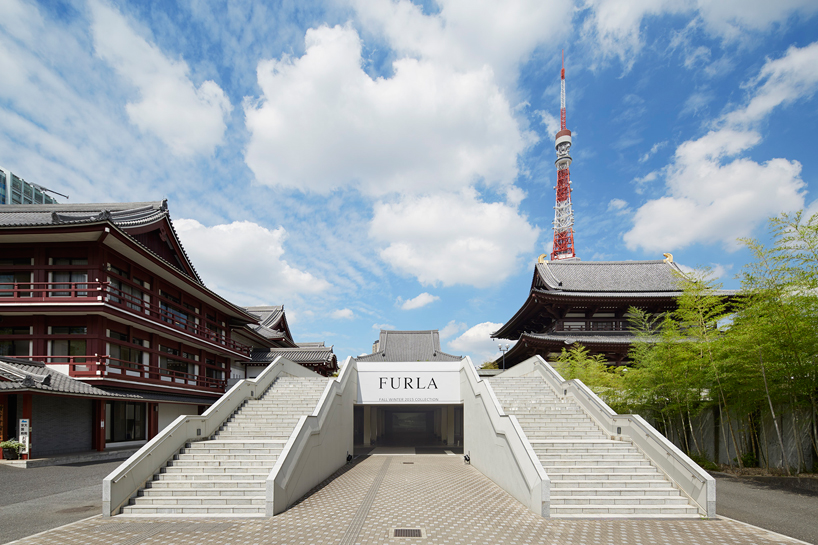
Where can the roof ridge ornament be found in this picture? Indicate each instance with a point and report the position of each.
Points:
(668, 257)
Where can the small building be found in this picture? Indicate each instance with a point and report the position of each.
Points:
(586, 302)
(407, 357)
(408, 346)
(71, 416)
(15, 190)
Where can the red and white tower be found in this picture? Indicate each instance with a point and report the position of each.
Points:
(563, 211)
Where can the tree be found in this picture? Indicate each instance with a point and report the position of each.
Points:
(603, 379)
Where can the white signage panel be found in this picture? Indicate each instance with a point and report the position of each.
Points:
(23, 432)
(407, 383)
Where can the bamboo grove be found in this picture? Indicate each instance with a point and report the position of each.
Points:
(745, 358)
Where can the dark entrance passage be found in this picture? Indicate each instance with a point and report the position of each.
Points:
(404, 428)
(408, 425)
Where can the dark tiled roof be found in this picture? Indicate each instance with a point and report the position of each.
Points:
(120, 214)
(409, 346)
(610, 276)
(124, 215)
(163, 397)
(17, 374)
(272, 323)
(297, 355)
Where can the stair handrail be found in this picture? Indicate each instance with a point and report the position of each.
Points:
(287, 482)
(688, 476)
(132, 475)
(525, 459)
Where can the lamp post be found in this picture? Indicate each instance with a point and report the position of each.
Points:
(503, 350)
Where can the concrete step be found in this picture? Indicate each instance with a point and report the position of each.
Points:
(214, 476)
(611, 491)
(634, 511)
(193, 510)
(169, 501)
(211, 484)
(618, 484)
(593, 500)
(630, 461)
(204, 463)
(202, 492)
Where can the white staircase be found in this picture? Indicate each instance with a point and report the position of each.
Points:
(226, 474)
(591, 474)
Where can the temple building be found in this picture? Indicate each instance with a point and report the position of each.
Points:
(273, 328)
(408, 346)
(586, 302)
(106, 295)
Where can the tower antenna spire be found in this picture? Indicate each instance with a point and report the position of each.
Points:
(563, 210)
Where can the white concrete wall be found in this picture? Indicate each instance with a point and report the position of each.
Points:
(318, 446)
(498, 447)
(168, 412)
(255, 370)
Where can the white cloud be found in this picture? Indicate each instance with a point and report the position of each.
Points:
(262, 277)
(342, 314)
(378, 327)
(717, 270)
(452, 238)
(794, 76)
(187, 118)
(417, 302)
(711, 200)
(551, 122)
(732, 19)
(452, 328)
(618, 207)
(468, 34)
(324, 123)
(616, 25)
(713, 194)
(653, 149)
(477, 343)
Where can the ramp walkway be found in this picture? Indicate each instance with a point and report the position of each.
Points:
(447, 500)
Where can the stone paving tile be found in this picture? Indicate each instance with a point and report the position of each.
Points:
(452, 502)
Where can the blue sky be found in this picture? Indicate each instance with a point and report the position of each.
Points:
(376, 164)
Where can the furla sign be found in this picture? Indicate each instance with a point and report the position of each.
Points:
(408, 383)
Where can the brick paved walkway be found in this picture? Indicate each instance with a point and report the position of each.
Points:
(452, 503)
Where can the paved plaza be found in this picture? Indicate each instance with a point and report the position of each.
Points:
(449, 501)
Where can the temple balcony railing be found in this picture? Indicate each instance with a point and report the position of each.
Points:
(106, 367)
(600, 325)
(85, 292)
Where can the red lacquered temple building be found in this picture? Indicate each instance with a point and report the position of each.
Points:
(106, 295)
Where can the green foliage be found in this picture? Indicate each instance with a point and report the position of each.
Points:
(605, 380)
(703, 462)
(745, 356)
(489, 365)
(12, 444)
